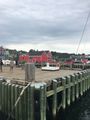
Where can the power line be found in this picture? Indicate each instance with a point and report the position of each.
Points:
(83, 32)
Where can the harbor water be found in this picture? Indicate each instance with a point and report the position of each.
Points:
(80, 110)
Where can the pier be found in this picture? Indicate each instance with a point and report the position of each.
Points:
(39, 99)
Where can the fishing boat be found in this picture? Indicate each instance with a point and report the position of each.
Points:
(50, 68)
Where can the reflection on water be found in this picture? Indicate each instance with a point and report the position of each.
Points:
(78, 111)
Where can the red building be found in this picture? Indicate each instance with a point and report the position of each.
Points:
(36, 56)
(24, 58)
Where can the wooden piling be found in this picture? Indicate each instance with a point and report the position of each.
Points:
(77, 85)
(12, 100)
(19, 104)
(81, 84)
(73, 87)
(3, 99)
(43, 101)
(88, 79)
(84, 83)
(68, 90)
(41, 89)
(24, 105)
(31, 102)
(0, 95)
(54, 103)
(29, 72)
(64, 93)
(6, 98)
(9, 98)
(17, 107)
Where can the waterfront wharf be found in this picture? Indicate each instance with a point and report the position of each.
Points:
(40, 98)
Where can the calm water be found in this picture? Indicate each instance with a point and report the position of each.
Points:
(78, 111)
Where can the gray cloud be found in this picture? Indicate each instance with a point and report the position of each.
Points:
(35, 21)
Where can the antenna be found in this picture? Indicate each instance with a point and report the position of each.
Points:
(83, 32)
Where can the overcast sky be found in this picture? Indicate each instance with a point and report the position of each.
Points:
(45, 25)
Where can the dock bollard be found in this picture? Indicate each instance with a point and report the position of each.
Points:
(29, 72)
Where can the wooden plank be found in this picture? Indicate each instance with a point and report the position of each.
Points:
(81, 84)
(0, 95)
(3, 98)
(6, 99)
(12, 100)
(31, 102)
(9, 98)
(43, 101)
(68, 90)
(23, 102)
(64, 93)
(77, 86)
(20, 104)
(54, 101)
(73, 88)
(16, 107)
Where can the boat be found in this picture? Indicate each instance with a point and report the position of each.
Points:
(50, 68)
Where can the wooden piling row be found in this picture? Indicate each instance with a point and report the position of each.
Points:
(9, 94)
(70, 88)
(73, 87)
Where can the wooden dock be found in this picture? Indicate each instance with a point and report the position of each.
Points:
(43, 76)
(35, 100)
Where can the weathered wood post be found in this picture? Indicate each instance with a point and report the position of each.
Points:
(30, 101)
(29, 72)
(1, 80)
(68, 90)
(5, 97)
(17, 107)
(86, 80)
(84, 83)
(64, 93)
(73, 87)
(77, 85)
(88, 74)
(81, 84)
(89, 77)
(3, 92)
(54, 103)
(41, 100)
